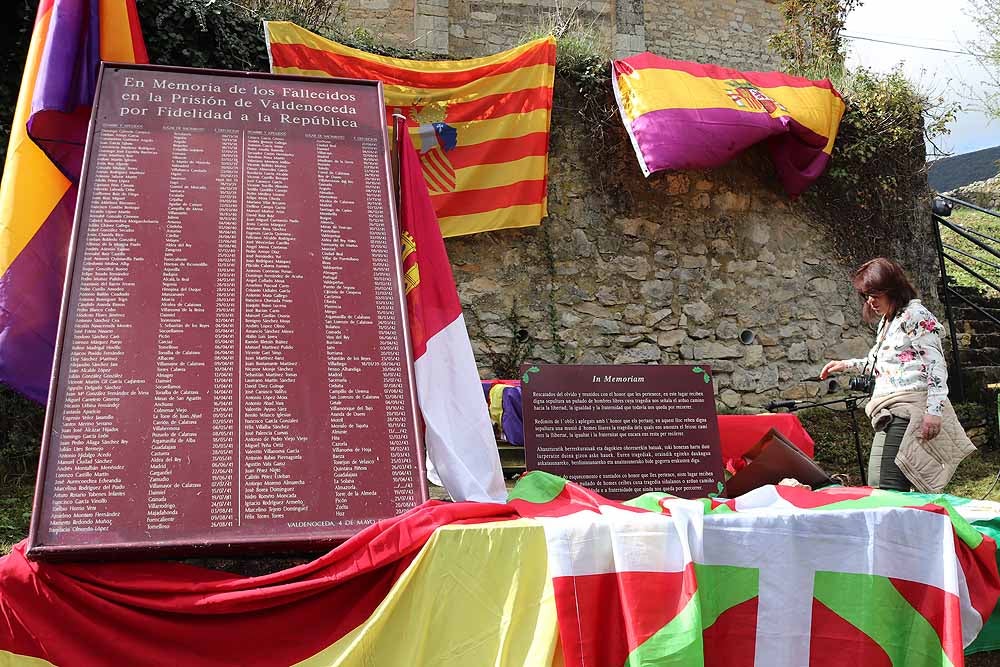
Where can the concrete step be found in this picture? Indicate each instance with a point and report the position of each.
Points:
(976, 341)
(971, 315)
(979, 356)
(511, 459)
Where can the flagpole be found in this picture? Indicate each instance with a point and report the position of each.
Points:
(398, 127)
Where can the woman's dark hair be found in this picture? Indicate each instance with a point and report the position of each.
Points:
(882, 276)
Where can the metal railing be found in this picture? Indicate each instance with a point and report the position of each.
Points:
(969, 263)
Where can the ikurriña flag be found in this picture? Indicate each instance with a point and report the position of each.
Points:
(457, 428)
(44, 158)
(685, 115)
(481, 125)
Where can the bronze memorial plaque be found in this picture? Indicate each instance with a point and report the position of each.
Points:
(624, 430)
(232, 369)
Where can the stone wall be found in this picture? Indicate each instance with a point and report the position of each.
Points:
(666, 270)
(731, 33)
(726, 32)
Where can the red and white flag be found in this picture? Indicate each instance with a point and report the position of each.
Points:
(458, 433)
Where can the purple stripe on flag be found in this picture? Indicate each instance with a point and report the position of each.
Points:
(67, 73)
(67, 80)
(708, 138)
(30, 296)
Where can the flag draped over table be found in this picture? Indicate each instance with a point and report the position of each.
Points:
(684, 115)
(560, 576)
(457, 428)
(482, 125)
(44, 157)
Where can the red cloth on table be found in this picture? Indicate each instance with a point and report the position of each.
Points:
(738, 433)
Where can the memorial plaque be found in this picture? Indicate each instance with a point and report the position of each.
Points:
(624, 430)
(232, 367)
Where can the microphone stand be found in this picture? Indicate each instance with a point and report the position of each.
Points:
(851, 403)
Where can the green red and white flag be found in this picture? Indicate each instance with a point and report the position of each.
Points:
(557, 576)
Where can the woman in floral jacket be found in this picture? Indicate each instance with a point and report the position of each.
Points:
(907, 357)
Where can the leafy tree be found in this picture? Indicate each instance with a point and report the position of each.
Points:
(986, 13)
(810, 42)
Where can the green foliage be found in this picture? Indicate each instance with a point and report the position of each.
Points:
(810, 43)
(202, 33)
(879, 159)
(15, 35)
(984, 224)
(21, 423)
(15, 511)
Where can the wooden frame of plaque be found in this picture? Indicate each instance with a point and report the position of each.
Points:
(233, 367)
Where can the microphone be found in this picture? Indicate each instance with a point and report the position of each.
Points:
(775, 405)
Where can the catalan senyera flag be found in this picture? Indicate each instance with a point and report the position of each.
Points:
(780, 577)
(685, 115)
(461, 448)
(481, 125)
(44, 158)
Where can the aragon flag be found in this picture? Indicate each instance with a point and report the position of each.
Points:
(44, 158)
(684, 115)
(482, 124)
(458, 432)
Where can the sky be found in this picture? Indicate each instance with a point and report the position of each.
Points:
(942, 24)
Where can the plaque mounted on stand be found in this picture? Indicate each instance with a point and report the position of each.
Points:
(232, 369)
(624, 430)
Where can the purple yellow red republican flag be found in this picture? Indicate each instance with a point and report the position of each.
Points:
(481, 125)
(684, 115)
(44, 158)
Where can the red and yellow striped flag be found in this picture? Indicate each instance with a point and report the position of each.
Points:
(481, 125)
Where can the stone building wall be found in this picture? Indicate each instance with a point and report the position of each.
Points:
(731, 33)
(726, 32)
(666, 270)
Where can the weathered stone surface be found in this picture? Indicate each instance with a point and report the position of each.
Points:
(635, 313)
(798, 352)
(698, 311)
(669, 339)
(851, 348)
(714, 350)
(729, 398)
(657, 292)
(644, 276)
(658, 316)
(641, 353)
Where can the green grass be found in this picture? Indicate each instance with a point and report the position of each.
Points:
(984, 224)
(835, 452)
(15, 510)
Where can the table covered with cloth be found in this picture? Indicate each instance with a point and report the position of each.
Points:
(779, 577)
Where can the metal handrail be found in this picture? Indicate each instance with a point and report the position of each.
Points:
(972, 272)
(982, 241)
(966, 204)
(975, 306)
(973, 257)
(968, 234)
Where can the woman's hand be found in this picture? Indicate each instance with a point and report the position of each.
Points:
(930, 427)
(832, 367)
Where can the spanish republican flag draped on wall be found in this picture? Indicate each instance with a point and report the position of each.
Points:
(457, 428)
(44, 158)
(481, 125)
(684, 115)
